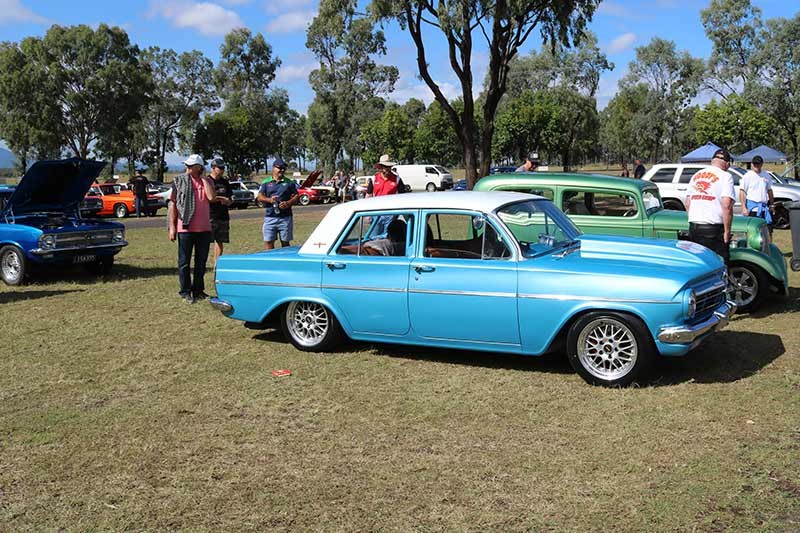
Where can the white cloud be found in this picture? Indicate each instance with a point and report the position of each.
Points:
(621, 43)
(290, 73)
(13, 11)
(409, 87)
(206, 17)
(280, 6)
(616, 10)
(292, 21)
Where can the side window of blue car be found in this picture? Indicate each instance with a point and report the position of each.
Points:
(378, 235)
(463, 236)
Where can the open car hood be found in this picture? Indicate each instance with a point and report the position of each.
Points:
(54, 186)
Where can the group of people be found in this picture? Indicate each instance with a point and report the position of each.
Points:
(712, 195)
(198, 213)
(639, 170)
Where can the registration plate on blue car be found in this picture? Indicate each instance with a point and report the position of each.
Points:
(83, 259)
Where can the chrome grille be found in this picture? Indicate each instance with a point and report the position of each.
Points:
(709, 300)
(83, 239)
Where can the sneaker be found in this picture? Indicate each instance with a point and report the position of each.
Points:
(201, 296)
(189, 299)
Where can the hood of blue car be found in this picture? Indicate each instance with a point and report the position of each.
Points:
(50, 186)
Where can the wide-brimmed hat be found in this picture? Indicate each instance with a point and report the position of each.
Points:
(385, 161)
(193, 160)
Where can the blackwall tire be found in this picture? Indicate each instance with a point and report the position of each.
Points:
(747, 286)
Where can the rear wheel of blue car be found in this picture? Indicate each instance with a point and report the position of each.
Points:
(311, 327)
(13, 266)
(610, 349)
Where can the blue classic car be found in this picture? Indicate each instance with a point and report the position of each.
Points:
(41, 223)
(505, 272)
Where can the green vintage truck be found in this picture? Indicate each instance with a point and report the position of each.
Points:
(623, 206)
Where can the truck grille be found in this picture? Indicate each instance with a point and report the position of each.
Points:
(709, 300)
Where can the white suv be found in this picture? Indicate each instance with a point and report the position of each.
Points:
(673, 179)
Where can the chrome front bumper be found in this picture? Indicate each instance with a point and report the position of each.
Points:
(221, 305)
(688, 334)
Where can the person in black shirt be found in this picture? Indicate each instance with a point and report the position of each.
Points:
(220, 218)
(140, 184)
(639, 171)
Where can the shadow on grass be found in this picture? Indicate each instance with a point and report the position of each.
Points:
(726, 357)
(119, 272)
(8, 297)
(778, 304)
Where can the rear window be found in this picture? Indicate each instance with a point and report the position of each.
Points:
(664, 175)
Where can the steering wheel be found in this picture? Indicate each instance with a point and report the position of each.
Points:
(629, 213)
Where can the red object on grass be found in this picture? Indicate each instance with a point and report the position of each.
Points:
(281, 373)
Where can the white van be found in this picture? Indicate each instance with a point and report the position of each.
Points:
(425, 177)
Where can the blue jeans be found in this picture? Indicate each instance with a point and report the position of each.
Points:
(140, 204)
(200, 243)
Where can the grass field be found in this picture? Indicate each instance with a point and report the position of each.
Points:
(123, 408)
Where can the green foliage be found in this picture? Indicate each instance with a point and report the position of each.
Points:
(246, 65)
(733, 123)
(345, 43)
(392, 134)
(733, 26)
(776, 91)
(623, 131)
(435, 141)
(184, 90)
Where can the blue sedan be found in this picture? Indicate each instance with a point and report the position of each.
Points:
(504, 272)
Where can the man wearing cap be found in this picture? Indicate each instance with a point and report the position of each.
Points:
(190, 222)
(220, 217)
(709, 203)
(530, 165)
(280, 194)
(140, 183)
(755, 192)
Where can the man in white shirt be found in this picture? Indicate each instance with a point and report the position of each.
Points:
(710, 205)
(755, 191)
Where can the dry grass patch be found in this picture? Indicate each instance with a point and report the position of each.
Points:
(121, 407)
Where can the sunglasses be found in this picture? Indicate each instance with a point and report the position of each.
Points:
(723, 159)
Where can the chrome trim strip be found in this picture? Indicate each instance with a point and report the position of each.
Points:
(266, 284)
(351, 288)
(464, 293)
(593, 299)
(715, 287)
(43, 251)
(495, 343)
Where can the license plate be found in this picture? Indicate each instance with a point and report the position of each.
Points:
(83, 259)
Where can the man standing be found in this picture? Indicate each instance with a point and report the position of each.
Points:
(639, 171)
(756, 191)
(710, 205)
(140, 183)
(530, 165)
(385, 181)
(280, 194)
(190, 222)
(220, 217)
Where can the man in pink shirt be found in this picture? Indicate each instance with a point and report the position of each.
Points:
(190, 222)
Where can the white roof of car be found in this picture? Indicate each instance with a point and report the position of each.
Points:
(323, 237)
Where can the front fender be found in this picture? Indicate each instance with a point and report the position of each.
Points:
(773, 264)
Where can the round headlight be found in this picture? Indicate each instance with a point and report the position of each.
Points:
(119, 235)
(48, 241)
(691, 306)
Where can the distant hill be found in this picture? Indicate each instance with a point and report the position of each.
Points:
(7, 159)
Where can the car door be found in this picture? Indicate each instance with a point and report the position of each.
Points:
(463, 280)
(604, 211)
(367, 277)
(664, 178)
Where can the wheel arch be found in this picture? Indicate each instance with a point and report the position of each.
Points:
(273, 313)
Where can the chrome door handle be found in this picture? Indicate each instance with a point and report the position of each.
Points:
(424, 268)
(336, 266)
(681, 188)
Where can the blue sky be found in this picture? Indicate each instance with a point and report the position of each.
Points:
(621, 25)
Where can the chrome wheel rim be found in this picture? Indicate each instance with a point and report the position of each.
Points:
(12, 267)
(742, 286)
(607, 349)
(308, 322)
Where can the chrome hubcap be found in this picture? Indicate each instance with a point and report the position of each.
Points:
(11, 266)
(607, 349)
(742, 286)
(308, 322)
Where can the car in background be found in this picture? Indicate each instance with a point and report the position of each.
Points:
(509, 271)
(502, 169)
(609, 205)
(424, 177)
(241, 191)
(315, 195)
(41, 224)
(91, 205)
(673, 179)
(119, 201)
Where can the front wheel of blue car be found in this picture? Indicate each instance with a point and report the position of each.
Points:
(610, 349)
(13, 266)
(311, 327)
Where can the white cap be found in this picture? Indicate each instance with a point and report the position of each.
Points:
(194, 159)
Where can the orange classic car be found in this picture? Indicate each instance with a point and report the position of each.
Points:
(119, 201)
